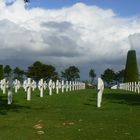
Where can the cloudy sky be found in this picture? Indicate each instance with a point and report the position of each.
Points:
(69, 32)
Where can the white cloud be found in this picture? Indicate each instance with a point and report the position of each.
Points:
(79, 34)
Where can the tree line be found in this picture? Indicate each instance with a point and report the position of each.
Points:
(109, 76)
(40, 70)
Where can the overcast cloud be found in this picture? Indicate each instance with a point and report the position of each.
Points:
(80, 35)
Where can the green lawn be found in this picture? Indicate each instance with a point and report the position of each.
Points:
(71, 116)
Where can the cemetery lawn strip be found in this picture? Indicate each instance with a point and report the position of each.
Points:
(71, 116)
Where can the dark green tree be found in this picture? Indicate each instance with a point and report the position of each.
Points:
(18, 74)
(39, 70)
(7, 71)
(71, 73)
(119, 76)
(131, 69)
(108, 76)
(35, 71)
(50, 72)
(1, 72)
(92, 75)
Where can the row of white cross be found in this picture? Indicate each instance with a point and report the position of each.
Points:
(131, 86)
(30, 85)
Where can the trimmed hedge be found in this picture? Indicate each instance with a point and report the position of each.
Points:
(131, 69)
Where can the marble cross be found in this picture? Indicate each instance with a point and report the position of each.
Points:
(73, 85)
(70, 85)
(53, 85)
(25, 85)
(10, 96)
(41, 87)
(34, 85)
(100, 91)
(4, 85)
(67, 86)
(62, 86)
(29, 87)
(16, 84)
(50, 87)
(57, 86)
(45, 85)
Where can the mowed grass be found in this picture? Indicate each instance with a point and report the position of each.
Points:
(71, 116)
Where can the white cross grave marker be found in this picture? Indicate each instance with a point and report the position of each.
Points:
(60, 86)
(50, 87)
(25, 85)
(67, 86)
(16, 84)
(138, 86)
(76, 85)
(9, 94)
(9, 97)
(57, 86)
(29, 87)
(73, 85)
(41, 87)
(45, 85)
(34, 85)
(53, 85)
(70, 85)
(4, 85)
(100, 91)
(63, 86)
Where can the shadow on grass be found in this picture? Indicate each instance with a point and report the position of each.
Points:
(90, 102)
(116, 97)
(123, 98)
(5, 108)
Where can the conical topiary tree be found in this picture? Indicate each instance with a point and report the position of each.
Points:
(131, 69)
